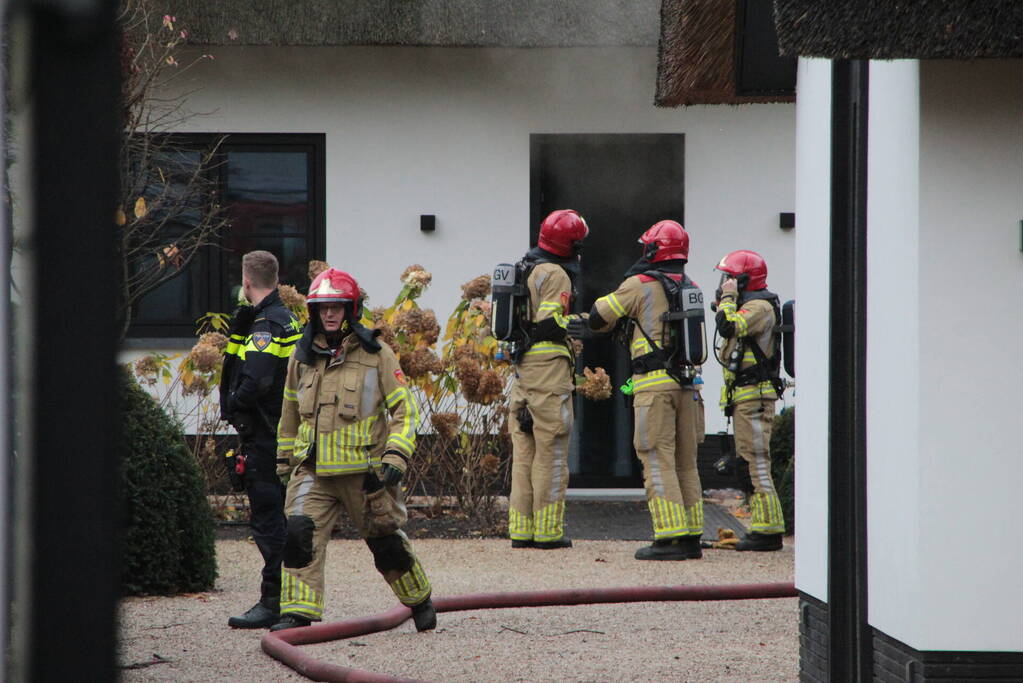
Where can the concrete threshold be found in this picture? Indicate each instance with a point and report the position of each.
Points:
(605, 494)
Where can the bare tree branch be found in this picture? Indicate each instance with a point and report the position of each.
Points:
(168, 208)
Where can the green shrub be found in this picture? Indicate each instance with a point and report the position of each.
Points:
(783, 464)
(168, 542)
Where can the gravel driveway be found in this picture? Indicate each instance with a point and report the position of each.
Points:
(752, 640)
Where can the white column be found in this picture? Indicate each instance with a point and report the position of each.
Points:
(813, 225)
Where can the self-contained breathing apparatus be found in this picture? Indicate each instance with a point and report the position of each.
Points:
(511, 321)
(764, 368)
(683, 332)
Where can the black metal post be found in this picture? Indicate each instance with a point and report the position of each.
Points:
(70, 599)
(849, 648)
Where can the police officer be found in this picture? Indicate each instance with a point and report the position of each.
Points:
(668, 409)
(346, 404)
(747, 320)
(540, 405)
(262, 337)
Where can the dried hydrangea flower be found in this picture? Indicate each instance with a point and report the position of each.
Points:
(214, 339)
(477, 288)
(205, 357)
(317, 267)
(597, 386)
(446, 424)
(291, 297)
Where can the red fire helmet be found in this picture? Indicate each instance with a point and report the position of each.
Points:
(665, 240)
(748, 263)
(561, 230)
(334, 286)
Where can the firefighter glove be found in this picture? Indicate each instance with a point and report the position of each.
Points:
(390, 475)
(579, 327)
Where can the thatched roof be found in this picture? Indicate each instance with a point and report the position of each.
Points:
(921, 29)
(697, 55)
(486, 23)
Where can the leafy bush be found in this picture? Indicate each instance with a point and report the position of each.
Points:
(168, 544)
(783, 464)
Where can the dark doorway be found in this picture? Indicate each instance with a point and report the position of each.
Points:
(621, 184)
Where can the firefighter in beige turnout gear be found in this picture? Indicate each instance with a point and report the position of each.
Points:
(668, 415)
(747, 320)
(540, 408)
(346, 404)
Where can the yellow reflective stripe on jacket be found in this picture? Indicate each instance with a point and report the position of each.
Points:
(235, 345)
(290, 394)
(274, 348)
(727, 306)
(640, 347)
(651, 379)
(346, 446)
(750, 392)
(303, 439)
(612, 301)
(404, 440)
(548, 348)
(555, 309)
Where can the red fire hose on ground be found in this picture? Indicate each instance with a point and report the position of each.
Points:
(283, 645)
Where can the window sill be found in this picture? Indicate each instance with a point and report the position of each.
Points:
(143, 343)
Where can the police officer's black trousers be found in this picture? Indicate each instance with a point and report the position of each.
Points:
(269, 526)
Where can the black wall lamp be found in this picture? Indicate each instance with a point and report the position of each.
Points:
(427, 223)
(786, 221)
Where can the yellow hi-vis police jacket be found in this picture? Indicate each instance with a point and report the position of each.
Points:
(641, 298)
(754, 320)
(348, 408)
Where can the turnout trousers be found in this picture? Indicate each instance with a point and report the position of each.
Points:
(752, 423)
(542, 394)
(666, 437)
(312, 506)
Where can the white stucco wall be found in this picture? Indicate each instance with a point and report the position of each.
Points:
(445, 131)
(813, 275)
(893, 336)
(971, 204)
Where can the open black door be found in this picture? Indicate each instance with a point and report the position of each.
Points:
(621, 184)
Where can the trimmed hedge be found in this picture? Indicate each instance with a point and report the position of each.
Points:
(783, 464)
(168, 542)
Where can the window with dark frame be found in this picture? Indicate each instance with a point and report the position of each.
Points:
(271, 187)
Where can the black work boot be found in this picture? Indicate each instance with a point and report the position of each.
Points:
(692, 546)
(424, 616)
(553, 545)
(669, 549)
(258, 616)
(760, 542)
(522, 543)
(290, 621)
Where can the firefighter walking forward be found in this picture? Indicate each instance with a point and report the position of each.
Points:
(747, 320)
(261, 339)
(540, 409)
(668, 409)
(347, 430)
